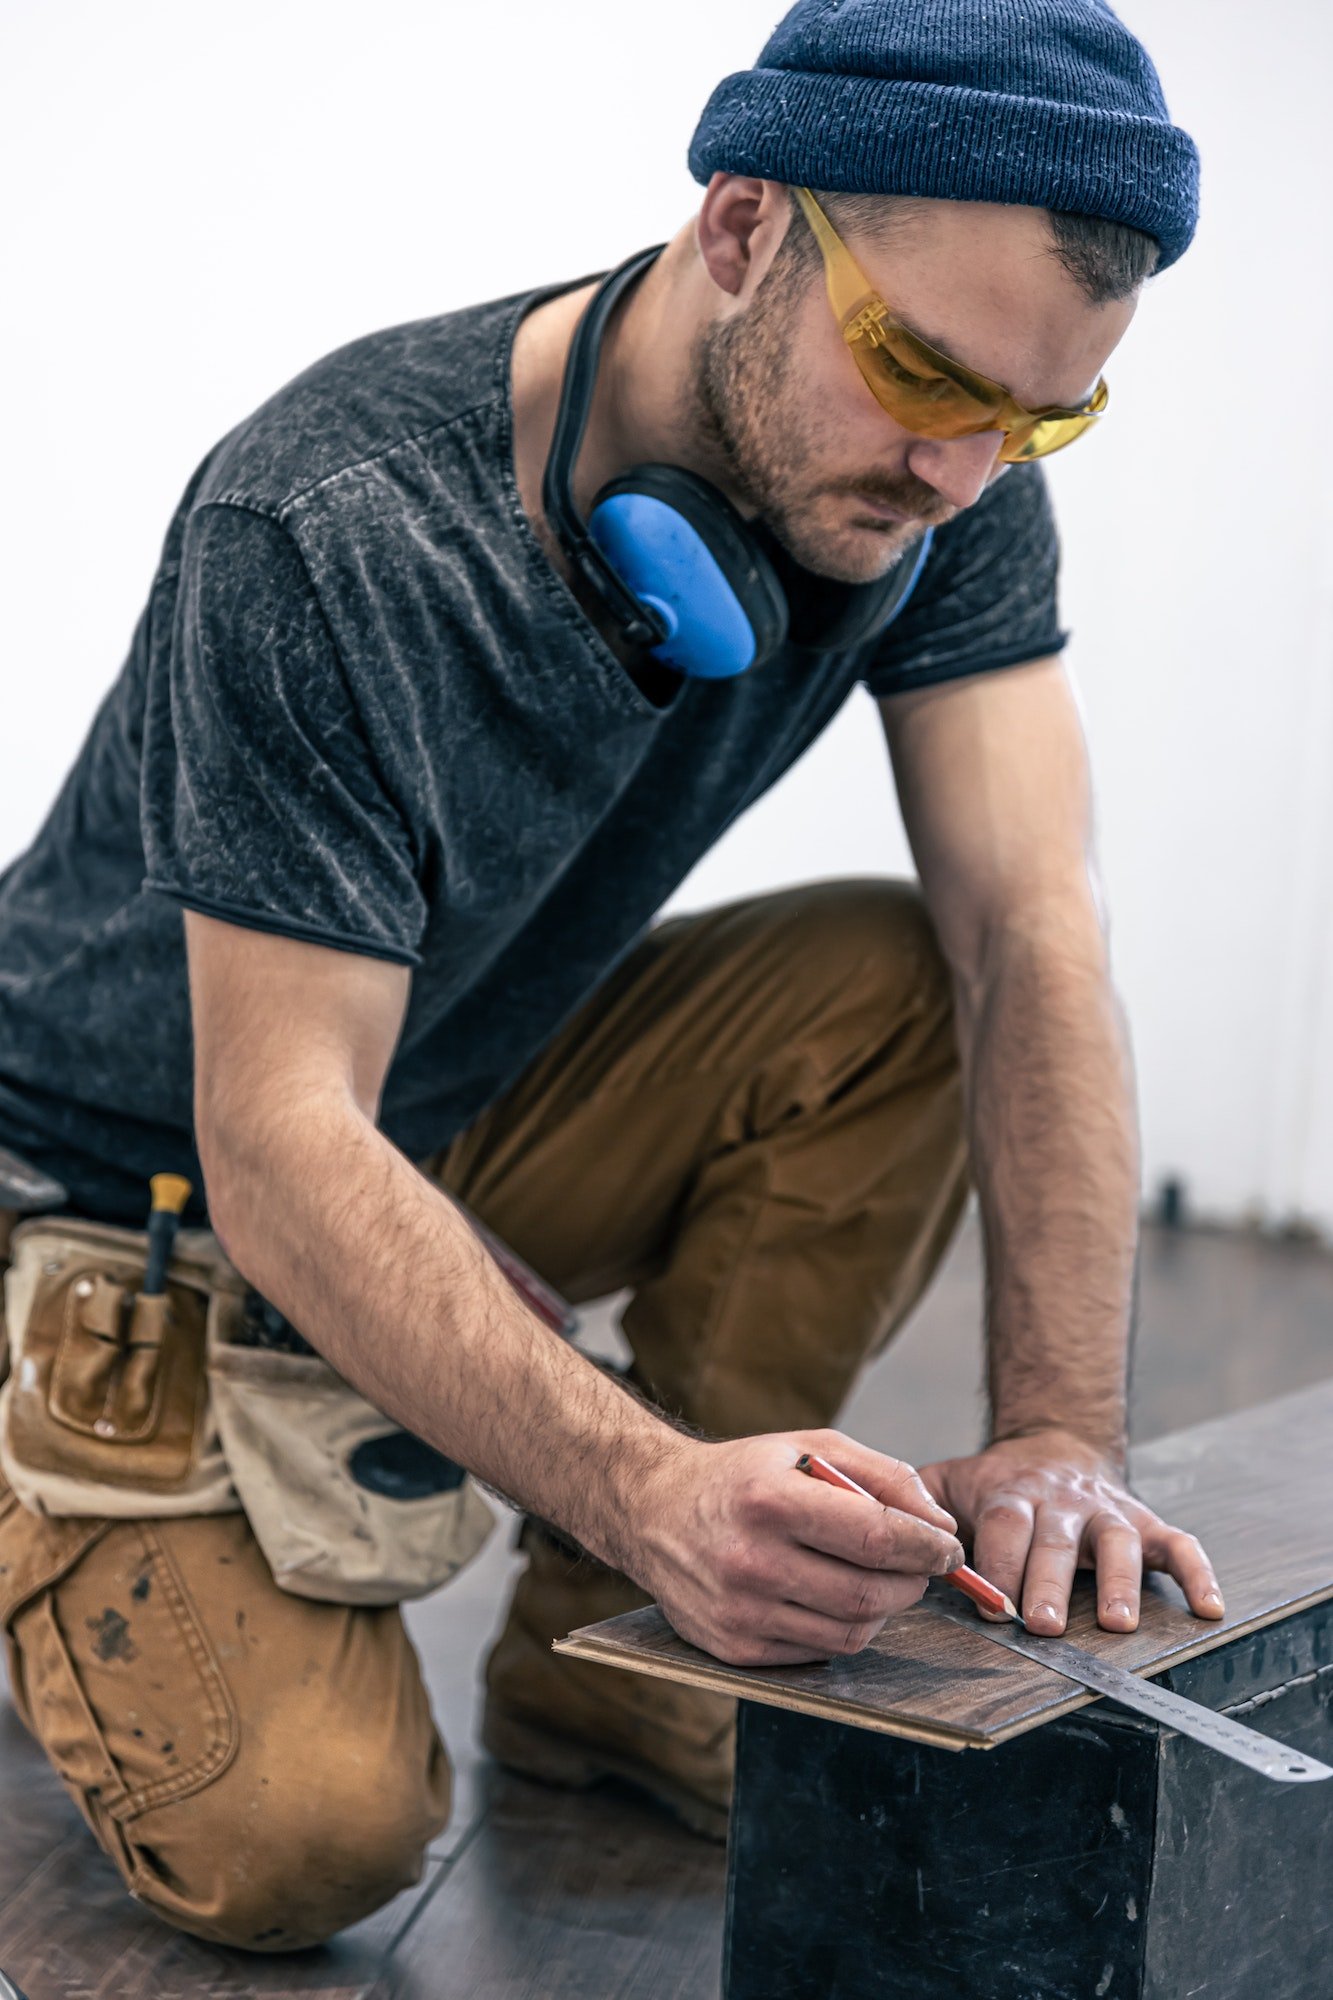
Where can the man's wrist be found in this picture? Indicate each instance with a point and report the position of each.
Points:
(650, 1451)
(1107, 1436)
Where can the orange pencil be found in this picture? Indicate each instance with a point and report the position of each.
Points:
(987, 1595)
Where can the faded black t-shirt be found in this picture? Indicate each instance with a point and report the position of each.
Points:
(361, 707)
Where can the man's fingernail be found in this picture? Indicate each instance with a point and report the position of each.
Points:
(1118, 1610)
(1213, 1597)
(1046, 1612)
(955, 1561)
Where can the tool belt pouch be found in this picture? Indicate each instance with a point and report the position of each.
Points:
(106, 1408)
(344, 1504)
(126, 1407)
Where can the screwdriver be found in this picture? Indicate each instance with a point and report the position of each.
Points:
(170, 1193)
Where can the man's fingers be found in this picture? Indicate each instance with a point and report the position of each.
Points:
(864, 1532)
(843, 1591)
(1001, 1543)
(1049, 1576)
(936, 1482)
(1117, 1554)
(794, 1632)
(1182, 1556)
(893, 1481)
(901, 1485)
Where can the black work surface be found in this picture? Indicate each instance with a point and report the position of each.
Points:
(1257, 1488)
(1099, 1855)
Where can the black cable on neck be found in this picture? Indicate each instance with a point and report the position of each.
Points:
(641, 626)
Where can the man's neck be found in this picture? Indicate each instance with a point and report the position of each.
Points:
(642, 408)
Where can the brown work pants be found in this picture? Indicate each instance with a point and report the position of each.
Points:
(755, 1125)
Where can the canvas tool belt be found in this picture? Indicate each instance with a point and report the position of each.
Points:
(128, 1407)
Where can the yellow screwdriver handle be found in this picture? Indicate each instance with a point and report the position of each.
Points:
(170, 1192)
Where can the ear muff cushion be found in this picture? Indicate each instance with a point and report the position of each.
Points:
(747, 571)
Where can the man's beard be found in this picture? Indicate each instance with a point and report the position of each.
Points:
(767, 441)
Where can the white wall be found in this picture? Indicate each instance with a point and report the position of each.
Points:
(202, 201)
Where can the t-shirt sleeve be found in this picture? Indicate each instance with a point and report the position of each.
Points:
(986, 597)
(261, 799)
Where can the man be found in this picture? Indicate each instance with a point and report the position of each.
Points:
(420, 798)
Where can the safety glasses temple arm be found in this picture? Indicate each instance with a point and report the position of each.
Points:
(848, 287)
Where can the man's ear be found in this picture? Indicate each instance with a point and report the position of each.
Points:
(739, 228)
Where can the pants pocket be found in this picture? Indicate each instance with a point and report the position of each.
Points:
(34, 1555)
(117, 1680)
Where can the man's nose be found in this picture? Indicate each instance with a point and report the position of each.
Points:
(957, 468)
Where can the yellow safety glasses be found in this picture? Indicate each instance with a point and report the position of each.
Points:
(923, 390)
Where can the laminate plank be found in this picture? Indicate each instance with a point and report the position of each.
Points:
(1257, 1487)
(564, 1896)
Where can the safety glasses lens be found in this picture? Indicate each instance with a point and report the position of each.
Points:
(934, 406)
(930, 404)
(1040, 440)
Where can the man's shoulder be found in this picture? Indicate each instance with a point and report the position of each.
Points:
(358, 404)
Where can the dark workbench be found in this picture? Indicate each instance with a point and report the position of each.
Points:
(1089, 1855)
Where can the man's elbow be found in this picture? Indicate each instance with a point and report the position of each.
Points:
(240, 1154)
(261, 1163)
(224, 1184)
(1063, 934)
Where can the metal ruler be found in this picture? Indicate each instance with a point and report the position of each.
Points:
(1220, 1732)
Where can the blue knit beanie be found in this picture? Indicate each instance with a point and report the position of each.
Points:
(1051, 103)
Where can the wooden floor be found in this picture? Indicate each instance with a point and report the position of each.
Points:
(537, 1895)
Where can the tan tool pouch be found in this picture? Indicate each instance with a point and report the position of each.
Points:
(106, 1408)
(127, 1407)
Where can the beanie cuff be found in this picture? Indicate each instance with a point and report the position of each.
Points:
(853, 134)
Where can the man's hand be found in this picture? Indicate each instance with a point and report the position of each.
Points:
(1039, 1507)
(761, 1565)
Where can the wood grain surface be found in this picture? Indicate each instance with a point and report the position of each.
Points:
(1257, 1489)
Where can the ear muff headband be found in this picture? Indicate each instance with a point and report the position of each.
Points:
(640, 627)
(677, 567)
(664, 551)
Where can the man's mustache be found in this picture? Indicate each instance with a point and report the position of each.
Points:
(919, 504)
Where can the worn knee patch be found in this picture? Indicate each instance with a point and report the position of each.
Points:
(874, 927)
(282, 1867)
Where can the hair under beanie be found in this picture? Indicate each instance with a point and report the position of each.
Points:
(1050, 103)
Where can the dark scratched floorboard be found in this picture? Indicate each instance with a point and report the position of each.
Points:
(539, 1895)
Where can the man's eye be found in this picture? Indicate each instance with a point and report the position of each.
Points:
(910, 378)
(923, 385)
(910, 371)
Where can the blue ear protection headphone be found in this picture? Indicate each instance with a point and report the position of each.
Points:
(680, 571)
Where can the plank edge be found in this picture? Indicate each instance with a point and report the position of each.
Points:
(721, 1680)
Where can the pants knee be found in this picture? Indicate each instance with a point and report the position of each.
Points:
(273, 1872)
(878, 926)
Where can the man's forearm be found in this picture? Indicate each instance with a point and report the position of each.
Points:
(387, 1280)
(1054, 1144)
